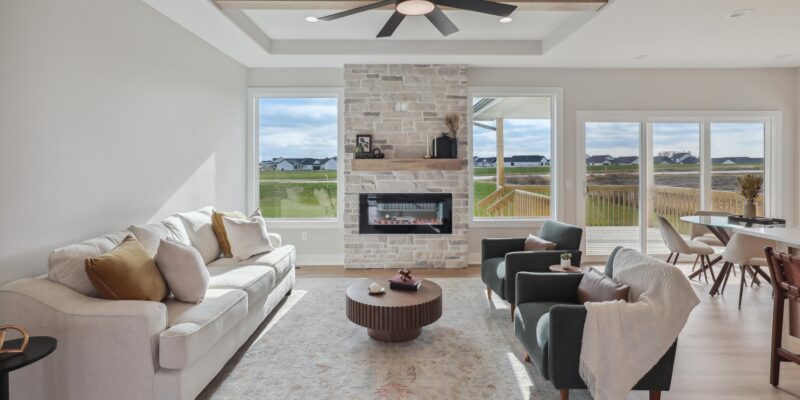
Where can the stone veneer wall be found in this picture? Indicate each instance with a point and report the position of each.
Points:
(431, 92)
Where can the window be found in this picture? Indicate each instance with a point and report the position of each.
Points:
(512, 142)
(737, 149)
(297, 157)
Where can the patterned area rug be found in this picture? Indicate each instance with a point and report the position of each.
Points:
(310, 350)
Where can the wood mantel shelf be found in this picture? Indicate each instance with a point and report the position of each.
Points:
(407, 164)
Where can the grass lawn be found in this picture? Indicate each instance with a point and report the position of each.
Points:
(299, 175)
(298, 200)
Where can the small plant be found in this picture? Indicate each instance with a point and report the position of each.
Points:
(453, 122)
(750, 186)
(566, 256)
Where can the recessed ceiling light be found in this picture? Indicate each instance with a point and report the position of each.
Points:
(506, 20)
(783, 56)
(415, 7)
(312, 19)
(642, 57)
(739, 13)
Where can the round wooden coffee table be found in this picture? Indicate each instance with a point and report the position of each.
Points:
(395, 316)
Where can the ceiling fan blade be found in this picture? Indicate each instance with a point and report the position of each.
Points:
(441, 22)
(391, 25)
(357, 10)
(481, 6)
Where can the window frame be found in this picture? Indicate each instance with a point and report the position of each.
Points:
(556, 95)
(252, 150)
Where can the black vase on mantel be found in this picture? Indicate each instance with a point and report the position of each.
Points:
(446, 147)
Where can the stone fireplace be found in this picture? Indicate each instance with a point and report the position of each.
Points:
(424, 94)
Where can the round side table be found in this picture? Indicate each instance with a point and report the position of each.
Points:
(38, 348)
(397, 315)
(570, 269)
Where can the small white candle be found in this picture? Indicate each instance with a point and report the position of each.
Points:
(428, 147)
(434, 148)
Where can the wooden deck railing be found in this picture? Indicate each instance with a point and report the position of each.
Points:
(611, 205)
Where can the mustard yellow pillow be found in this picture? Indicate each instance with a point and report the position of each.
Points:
(127, 273)
(219, 229)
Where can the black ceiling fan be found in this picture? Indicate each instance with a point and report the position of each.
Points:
(430, 9)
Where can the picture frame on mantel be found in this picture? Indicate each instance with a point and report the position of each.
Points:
(365, 141)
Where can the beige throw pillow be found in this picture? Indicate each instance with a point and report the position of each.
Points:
(126, 273)
(184, 270)
(219, 229)
(247, 237)
(535, 243)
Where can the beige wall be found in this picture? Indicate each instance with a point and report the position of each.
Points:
(612, 90)
(110, 114)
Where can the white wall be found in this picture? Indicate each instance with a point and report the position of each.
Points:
(607, 90)
(110, 114)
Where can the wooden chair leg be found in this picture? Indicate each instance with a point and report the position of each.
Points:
(675, 261)
(489, 293)
(655, 395)
(727, 273)
(741, 287)
(513, 307)
(705, 272)
(564, 394)
(669, 258)
(695, 263)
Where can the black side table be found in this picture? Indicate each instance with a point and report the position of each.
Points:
(38, 348)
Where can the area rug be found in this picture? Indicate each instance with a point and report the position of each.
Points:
(310, 350)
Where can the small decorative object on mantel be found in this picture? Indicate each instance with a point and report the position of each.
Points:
(375, 154)
(442, 146)
(363, 144)
(453, 122)
(404, 281)
(566, 259)
(749, 188)
(25, 337)
(375, 288)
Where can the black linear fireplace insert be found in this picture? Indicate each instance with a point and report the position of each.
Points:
(415, 213)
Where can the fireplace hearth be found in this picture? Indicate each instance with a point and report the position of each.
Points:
(406, 213)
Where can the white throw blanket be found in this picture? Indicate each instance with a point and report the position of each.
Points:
(623, 341)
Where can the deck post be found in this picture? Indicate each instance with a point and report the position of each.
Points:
(501, 167)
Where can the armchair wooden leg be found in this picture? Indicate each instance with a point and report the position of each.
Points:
(513, 307)
(564, 394)
(655, 395)
(489, 293)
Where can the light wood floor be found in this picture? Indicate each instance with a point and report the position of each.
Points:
(723, 353)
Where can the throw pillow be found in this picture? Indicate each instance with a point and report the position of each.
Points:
(126, 273)
(201, 234)
(535, 243)
(67, 265)
(247, 237)
(595, 286)
(219, 229)
(184, 270)
(149, 236)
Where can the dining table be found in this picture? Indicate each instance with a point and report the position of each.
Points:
(721, 227)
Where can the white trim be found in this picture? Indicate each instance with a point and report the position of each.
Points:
(556, 95)
(253, 94)
(772, 150)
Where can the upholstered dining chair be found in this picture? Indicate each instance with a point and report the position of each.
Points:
(503, 258)
(677, 245)
(747, 252)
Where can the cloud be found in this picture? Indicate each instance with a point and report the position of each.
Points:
(297, 127)
(521, 137)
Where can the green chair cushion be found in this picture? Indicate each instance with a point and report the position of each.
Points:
(493, 273)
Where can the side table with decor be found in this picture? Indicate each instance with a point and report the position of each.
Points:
(18, 353)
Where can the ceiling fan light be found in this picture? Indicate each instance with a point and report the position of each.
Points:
(415, 7)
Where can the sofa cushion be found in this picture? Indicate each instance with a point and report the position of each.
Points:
(527, 323)
(256, 280)
(247, 237)
(281, 260)
(67, 265)
(184, 270)
(150, 235)
(493, 272)
(194, 328)
(535, 243)
(127, 273)
(597, 287)
(219, 229)
(201, 234)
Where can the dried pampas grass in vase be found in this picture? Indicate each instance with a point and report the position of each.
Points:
(749, 188)
(453, 123)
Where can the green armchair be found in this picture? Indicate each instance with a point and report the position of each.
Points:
(502, 259)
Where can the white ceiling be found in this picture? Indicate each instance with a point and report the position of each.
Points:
(672, 33)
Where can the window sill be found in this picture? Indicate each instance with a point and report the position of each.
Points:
(507, 223)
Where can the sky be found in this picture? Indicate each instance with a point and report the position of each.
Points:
(307, 127)
(727, 139)
(297, 127)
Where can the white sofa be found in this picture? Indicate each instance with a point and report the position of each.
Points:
(113, 349)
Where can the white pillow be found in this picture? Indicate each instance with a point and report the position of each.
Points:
(67, 265)
(201, 234)
(150, 235)
(184, 270)
(248, 237)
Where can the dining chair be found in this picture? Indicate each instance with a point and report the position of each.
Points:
(785, 272)
(677, 245)
(700, 233)
(747, 252)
